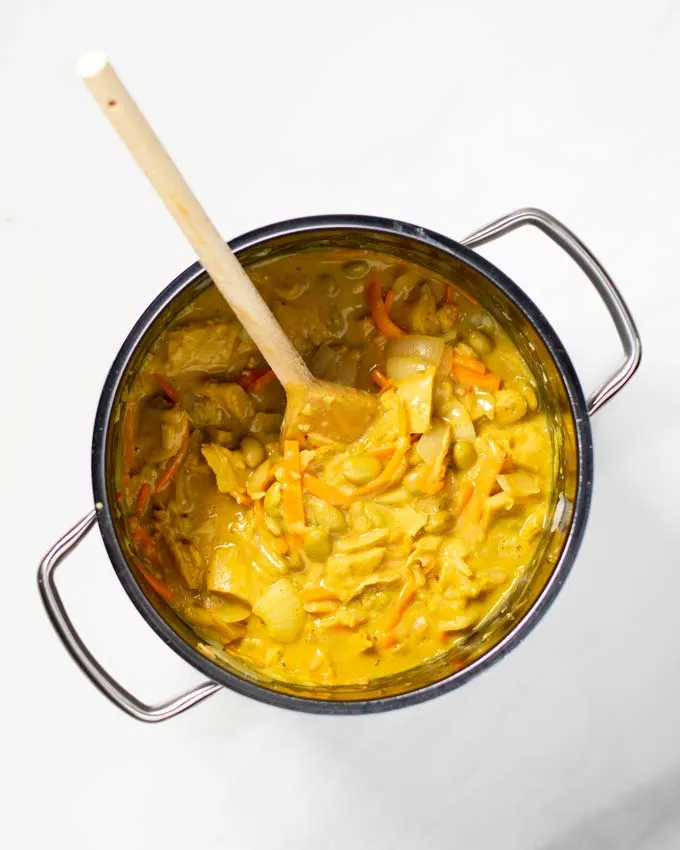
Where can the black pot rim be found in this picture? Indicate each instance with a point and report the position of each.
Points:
(572, 542)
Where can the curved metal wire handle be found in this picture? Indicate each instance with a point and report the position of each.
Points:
(83, 657)
(595, 272)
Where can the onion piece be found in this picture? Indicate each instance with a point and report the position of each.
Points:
(429, 348)
(459, 420)
(434, 442)
(399, 368)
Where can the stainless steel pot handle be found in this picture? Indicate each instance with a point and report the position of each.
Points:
(583, 257)
(84, 659)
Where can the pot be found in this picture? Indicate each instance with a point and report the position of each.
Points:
(562, 397)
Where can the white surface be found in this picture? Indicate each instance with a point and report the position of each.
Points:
(447, 114)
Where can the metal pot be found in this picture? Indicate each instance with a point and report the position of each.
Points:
(562, 397)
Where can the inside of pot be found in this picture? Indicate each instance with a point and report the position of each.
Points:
(525, 593)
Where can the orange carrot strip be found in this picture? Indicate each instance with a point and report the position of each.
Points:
(144, 541)
(343, 254)
(324, 491)
(469, 362)
(389, 300)
(323, 606)
(242, 499)
(381, 380)
(449, 297)
(378, 312)
(280, 545)
(463, 496)
(468, 378)
(317, 594)
(155, 583)
(129, 426)
(172, 467)
(387, 641)
(261, 381)
(291, 496)
(384, 453)
(142, 502)
(166, 387)
(406, 594)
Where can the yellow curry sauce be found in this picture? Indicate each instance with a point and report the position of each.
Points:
(337, 564)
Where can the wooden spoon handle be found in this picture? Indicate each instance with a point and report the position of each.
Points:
(215, 255)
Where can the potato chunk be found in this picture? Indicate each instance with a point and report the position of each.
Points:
(281, 609)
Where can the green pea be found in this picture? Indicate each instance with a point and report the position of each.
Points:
(464, 454)
(481, 343)
(272, 500)
(361, 469)
(253, 452)
(327, 516)
(317, 544)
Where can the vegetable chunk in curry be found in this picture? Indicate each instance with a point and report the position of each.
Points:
(328, 563)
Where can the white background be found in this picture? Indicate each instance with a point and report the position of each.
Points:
(446, 114)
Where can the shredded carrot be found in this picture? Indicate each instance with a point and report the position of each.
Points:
(468, 378)
(384, 453)
(247, 379)
(324, 606)
(166, 387)
(406, 594)
(389, 470)
(129, 426)
(144, 541)
(280, 545)
(389, 300)
(473, 363)
(242, 499)
(172, 467)
(463, 496)
(125, 479)
(324, 491)
(342, 255)
(449, 297)
(317, 594)
(261, 381)
(387, 641)
(378, 312)
(142, 502)
(291, 496)
(489, 467)
(381, 380)
(155, 583)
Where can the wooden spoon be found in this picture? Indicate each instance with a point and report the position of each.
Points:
(317, 412)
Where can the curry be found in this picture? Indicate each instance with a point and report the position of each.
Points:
(320, 562)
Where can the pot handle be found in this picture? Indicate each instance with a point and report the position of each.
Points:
(595, 272)
(80, 653)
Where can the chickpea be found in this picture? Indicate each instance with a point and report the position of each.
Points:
(412, 480)
(355, 269)
(317, 544)
(510, 406)
(272, 500)
(464, 454)
(439, 522)
(327, 516)
(361, 469)
(253, 452)
(480, 342)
